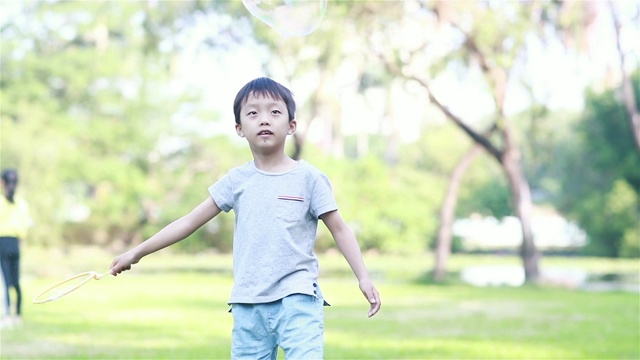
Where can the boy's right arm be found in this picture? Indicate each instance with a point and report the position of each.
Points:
(169, 235)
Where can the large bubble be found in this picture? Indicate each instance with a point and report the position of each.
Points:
(289, 18)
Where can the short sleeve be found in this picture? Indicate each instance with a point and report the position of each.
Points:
(322, 200)
(222, 193)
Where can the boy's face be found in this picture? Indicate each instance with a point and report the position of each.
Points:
(264, 122)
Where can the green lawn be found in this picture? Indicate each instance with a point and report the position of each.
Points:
(174, 307)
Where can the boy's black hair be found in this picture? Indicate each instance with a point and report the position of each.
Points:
(265, 87)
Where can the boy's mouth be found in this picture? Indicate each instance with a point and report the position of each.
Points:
(265, 132)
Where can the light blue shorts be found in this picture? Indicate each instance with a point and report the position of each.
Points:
(294, 323)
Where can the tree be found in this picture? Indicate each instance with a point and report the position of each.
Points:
(491, 40)
(88, 122)
(600, 186)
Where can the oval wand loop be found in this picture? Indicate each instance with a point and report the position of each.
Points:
(62, 292)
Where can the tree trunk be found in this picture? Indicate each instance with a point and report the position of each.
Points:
(511, 162)
(522, 206)
(628, 92)
(448, 211)
(298, 142)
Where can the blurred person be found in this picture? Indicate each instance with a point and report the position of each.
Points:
(276, 299)
(15, 220)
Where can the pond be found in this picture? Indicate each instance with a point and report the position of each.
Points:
(513, 275)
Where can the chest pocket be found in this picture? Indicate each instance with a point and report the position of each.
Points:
(291, 209)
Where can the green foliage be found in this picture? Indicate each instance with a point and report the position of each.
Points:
(601, 179)
(484, 188)
(630, 246)
(488, 196)
(438, 150)
(621, 212)
(393, 209)
(94, 114)
(546, 138)
(211, 158)
(587, 166)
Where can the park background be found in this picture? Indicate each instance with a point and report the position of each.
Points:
(468, 142)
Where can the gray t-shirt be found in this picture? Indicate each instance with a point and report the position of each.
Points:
(275, 229)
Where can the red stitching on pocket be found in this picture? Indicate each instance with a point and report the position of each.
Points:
(292, 198)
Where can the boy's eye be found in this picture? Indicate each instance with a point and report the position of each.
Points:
(276, 112)
(251, 113)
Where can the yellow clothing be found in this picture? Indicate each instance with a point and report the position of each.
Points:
(15, 219)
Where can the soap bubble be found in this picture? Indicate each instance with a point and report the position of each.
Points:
(289, 18)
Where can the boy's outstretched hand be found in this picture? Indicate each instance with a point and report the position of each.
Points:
(371, 294)
(122, 263)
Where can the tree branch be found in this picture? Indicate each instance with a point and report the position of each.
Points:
(482, 140)
(497, 76)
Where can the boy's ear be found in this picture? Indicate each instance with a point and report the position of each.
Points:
(239, 130)
(293, 125)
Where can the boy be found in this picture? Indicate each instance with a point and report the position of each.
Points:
(275, 300)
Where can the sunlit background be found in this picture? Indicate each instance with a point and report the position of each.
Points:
(447, 128)
(118, 114)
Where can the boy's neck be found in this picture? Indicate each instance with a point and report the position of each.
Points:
(274, 164)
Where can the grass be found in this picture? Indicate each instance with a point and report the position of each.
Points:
(174, 307)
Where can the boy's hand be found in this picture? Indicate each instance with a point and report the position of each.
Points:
(123, 263)
(371, 293)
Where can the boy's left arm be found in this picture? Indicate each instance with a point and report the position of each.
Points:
(348, 245)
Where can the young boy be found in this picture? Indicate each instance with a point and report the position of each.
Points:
(276, 299)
